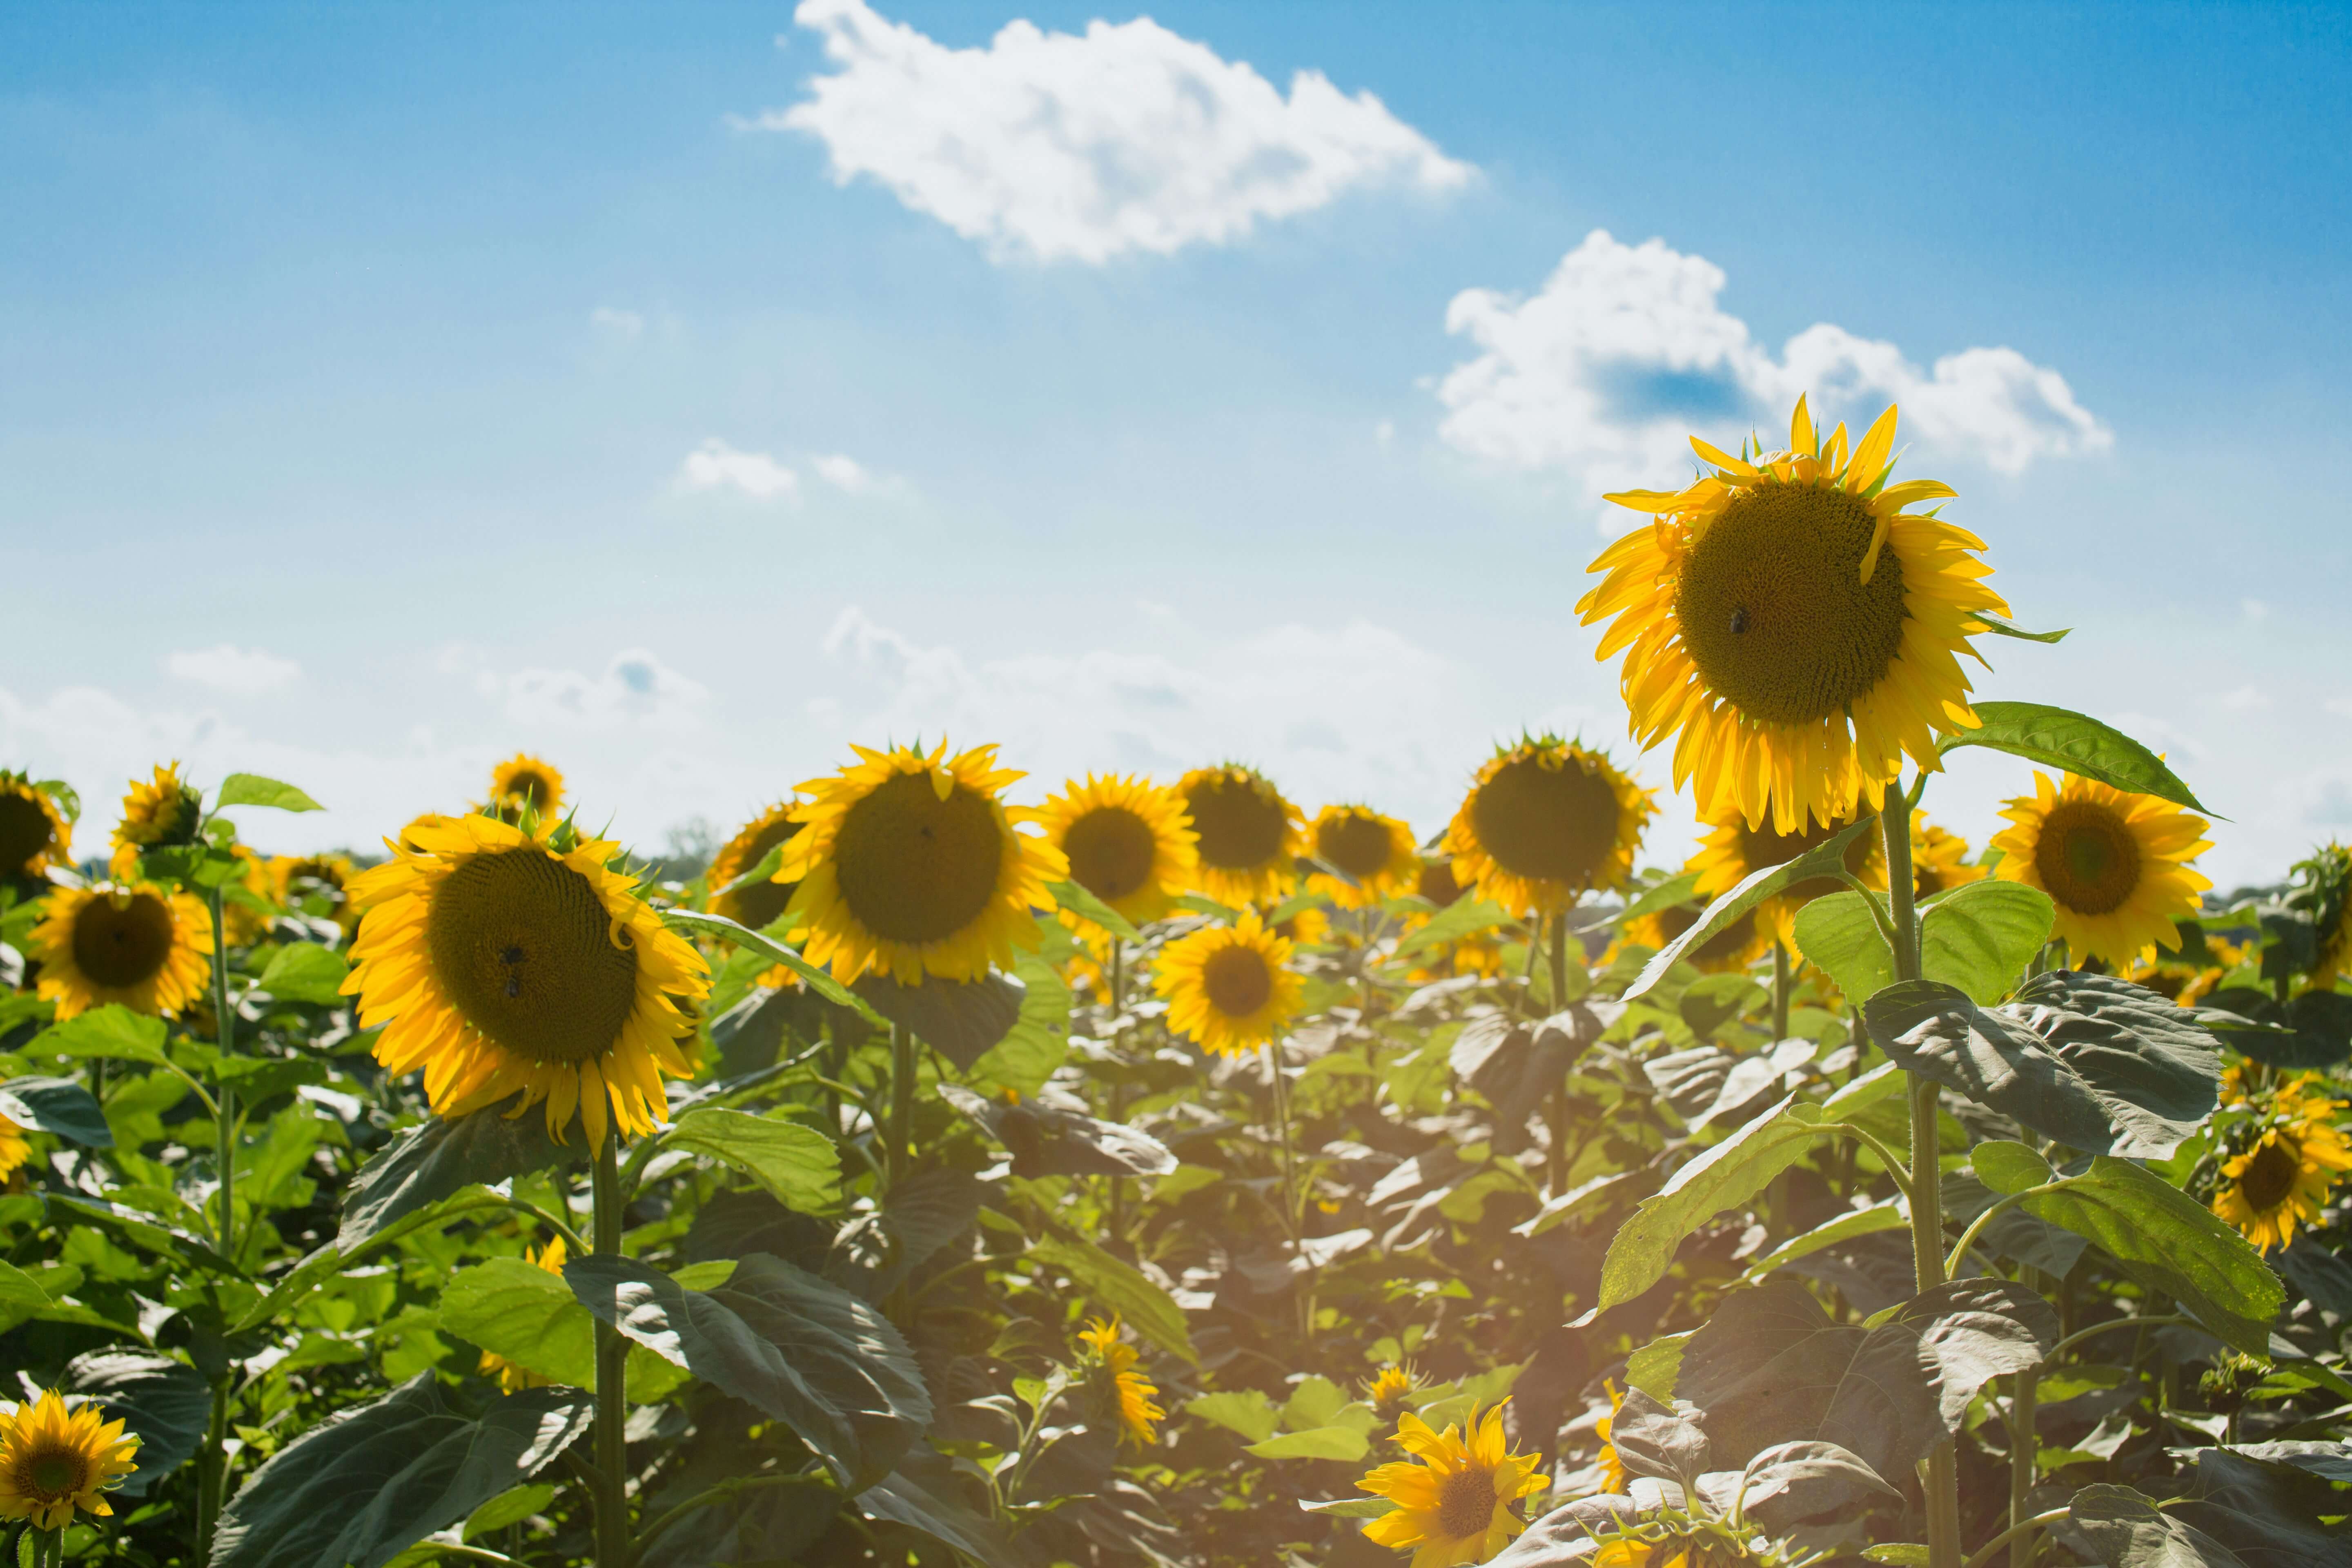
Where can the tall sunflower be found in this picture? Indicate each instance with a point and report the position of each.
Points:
(1127, 841)
(512, 1378)
(15, 1150)
(34, 832)
(1228, 987)
(1247, 834)
(1376, 851)
(2114, 864)
(1793, 624)
(1940, 859)
(910, 867)
(505, 960)
(2283, 1177)
(55, 1461)
(1129, 1391)
(1454, 1497)
(1732, 851)
(756, 906)
(136, 943)
(165, 809)
(1545, 820)
(523, 780)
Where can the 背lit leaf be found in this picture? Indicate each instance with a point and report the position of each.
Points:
(775, 951)
(1120, 1288)
(1981, 935)
(1039, 1042)
(1731, 1173)
(1837, 934)
(797, 1165)
(113, 1032)
(306, 971)
(2059, 737)
(252, 789)
(1465, 917)
(1076, 898)
(2009, 1167)
(513, 1308)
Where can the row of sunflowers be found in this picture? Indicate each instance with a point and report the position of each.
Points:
(1160, 1174)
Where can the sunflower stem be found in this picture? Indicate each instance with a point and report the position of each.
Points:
(1781, 989)
(898, 1156)
(2022, 1453)
(225, 1106)
(212, 1464)
(612, 1366)
(1117, 983)
(1556, 1155)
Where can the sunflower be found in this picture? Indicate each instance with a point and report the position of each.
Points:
(1940, 859)
(525, 781)
(1128, 1389)
(1391, 1392)
(136, 943)
(512, 1378)
(910, 867)
(2283, 1178)
(1673, 1539)
(14, 1148)
(298, 879)
(1545, 820)
(1613, 1478)
(504, 959)
(54, 1460)
(164, 810)
(1228, 987)
(1376, 851)
(2184, 985)
(1247, 834)
(756, 906)
(2114, 864)
(1732, 851)
(1127, 840)
(34, 832)
(1794, 625)
(1453, 1498)
(1309, 926)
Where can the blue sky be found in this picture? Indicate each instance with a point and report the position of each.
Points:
(687, 392)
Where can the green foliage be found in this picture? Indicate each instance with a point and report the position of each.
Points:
(2058, 738)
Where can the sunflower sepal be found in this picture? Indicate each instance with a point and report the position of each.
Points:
(1825, 861)
(2078, 743)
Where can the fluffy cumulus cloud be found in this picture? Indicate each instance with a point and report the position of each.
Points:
(717, 466)
(239, 671)
(1604, 372)
(1055, 146)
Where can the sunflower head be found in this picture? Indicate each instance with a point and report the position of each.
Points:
(13, 1149)
(54, 1462)
(146, 947)
(910, 865)
(525, 783)
(1793, 624)
(1728, 950)
(35, 830)
(2283, 1177)
(512, 960)
(756, 906)
(1454, 1497)
(1230, 988)
(514, 1379)
(160, 811)
(1247, 836)
(1121, 1389)
(2117, 864)
(1376, 852)
(1436, 881)
(1546, 820)
(1391, 1392)
(1127, 840)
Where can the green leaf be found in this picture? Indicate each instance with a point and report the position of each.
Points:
(510, 1507)
(371, 1480)
(425, 1164)
(56, 1105)
(1836, 935)
(318, 1267)
(1730, 1173)
(1351, 1507)
(167, 1241)
(2269, 1502)
(1246, 1411)
(113, 1032)
(1315, 1401)
(1768, 1366)
(923, 1493)
(804, 1352)
(775, 951)
(1672, 893)
(165, 1403)
(1039, 1040)
(513, 1308)
(2000, 627)
(1888, 1215)
(1343, 1443)
(2059, 737)
(18, 1288)
(306, 971)
(2010, 1168)
(798, 1166)
(1120, 1288)
(1654, 1368)
(2168, 1241)
(252, 789)
(1466, 916)
(1075, 898)
(1047, 1141)
(1902, 1553)
(875, 1253)
(1826, 859)
(961, 1019)
(2126, 1529)
(1980, 936)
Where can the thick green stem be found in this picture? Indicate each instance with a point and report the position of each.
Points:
(212, 1464)
(1556, 1114)
(2023, 1451)
(898, 1156)
(612, 1369)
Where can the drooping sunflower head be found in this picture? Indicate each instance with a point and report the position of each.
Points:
(510, 961)
(36, 832)
(758, 904)
(1376, 851)
(15, 1150)
(1732, 851)
(2117, 864)
(2324, 890)
(1230, 988)
(1545, 820)
(1940, 859)
(1793, 624)
(54, 1462)
(514, 1378)
(144, 946)
(1127, 840)
(163, 810)
(1391, 1392)
(1454, 1497)
(525, 782)
(2283, 1177)
(1121, 1388)
(1246, 835)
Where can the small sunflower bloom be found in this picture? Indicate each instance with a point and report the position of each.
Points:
(1229, 988)
(758, 904)
(165, 809)
(1376, 851)
(527, 783)
(1390, 1391)
(1453, 1498)
(2117, 864)
(146, 947)
(2284, 1179)
(1547, 820)
(1246, 835)
(1128, 841)
(1731, 851)
(299, 879)
(55, 1462)
(1134, 1393)
(13, 1149)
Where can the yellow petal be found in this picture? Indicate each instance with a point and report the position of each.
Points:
(1801, 428)
(1870, 458)
(1723, 459)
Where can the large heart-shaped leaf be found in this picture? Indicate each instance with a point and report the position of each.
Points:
(1826, 859)
(306, 971)
(424, 1164)
(1039, 1040)
(165, 1403)
(1981, 935)
(525, 1313)
(961, 1019)
(1837, 935)
(2269, 1511)
(1731, 1173)
(2060, 738)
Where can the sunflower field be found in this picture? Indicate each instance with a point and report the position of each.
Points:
(1160, 1175)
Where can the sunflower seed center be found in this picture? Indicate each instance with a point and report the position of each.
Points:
(1466, 1503)
(914, 867)
(23, 831)
(1554, 824)
(1237, 980)
(2269, 1177)
(1110, 850)
(2087, 857)
(1239, 827)
(1357, 843)
(55, 1473)
(758, 905)
(124, 942)
(526, 951)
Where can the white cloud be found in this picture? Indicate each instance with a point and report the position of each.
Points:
(635, 688)
(241, 671)
(625, 326)
(852, 477)
(1624, 351)
(715, 465)
(1061, 147)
